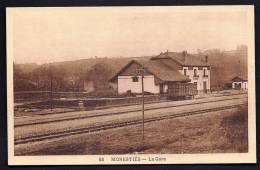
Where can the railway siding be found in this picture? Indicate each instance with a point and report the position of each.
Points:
(60, 127)
(21, 121)
(116, 125)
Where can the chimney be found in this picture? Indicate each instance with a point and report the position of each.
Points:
(206, 59)
(184, 54)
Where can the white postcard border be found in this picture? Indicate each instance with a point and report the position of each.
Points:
(218, 158)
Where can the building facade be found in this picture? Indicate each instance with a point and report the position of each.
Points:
(239, 83)
(155, 77)
(195, 68)
(162, 70)
(199, 75)
(134, 84)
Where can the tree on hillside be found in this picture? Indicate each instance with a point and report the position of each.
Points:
(47, 75)
(77, 79)
(22, 81)
(225, 65)
(99, 74)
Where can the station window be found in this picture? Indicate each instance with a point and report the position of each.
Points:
(196, 85)
(185, 72)
(195, 72)
(204, 72)
(135, 79)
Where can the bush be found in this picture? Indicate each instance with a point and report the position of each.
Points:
(103, 93)
(127, 94)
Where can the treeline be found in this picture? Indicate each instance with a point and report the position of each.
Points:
(225, 65)
(53, 77)
(93, 74)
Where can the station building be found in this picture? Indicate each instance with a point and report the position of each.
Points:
(162, 70)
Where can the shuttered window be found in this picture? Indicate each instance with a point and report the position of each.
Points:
(135, 79)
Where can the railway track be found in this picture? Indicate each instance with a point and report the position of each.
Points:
(67, 118)
(97, 128)
(113, 106)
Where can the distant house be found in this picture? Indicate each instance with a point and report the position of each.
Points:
(239, 82)
(168, 67)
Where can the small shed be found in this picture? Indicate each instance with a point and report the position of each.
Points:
(239, 82)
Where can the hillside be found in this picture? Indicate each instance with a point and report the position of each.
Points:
(225, 65)
(68, 75)
(73, 75)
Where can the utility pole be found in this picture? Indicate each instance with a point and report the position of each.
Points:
(141, 72)
(51, 87)
(240, 75)
(143, 102)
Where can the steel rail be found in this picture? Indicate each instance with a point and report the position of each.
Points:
(98, 128)
(134, 104)
(68, 118)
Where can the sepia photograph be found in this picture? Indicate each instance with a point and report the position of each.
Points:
(131, 85)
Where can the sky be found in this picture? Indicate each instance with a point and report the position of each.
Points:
(42, 35)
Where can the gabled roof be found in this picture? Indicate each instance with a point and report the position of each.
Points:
(190, 60)
(239, 78)
(161, 72)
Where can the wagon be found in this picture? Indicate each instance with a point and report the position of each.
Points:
(179, 91)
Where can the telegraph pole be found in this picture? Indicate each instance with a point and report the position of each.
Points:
(51, 87)
(143, 101)
(141, 71)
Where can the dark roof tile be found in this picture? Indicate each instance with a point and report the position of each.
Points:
(162, 72)
(190, 60)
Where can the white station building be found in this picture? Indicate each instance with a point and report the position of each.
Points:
(168, 67)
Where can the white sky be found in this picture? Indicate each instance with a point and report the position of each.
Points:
(58, 34)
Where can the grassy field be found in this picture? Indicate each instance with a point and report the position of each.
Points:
(215, 132)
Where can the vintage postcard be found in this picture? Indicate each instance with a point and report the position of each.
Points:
(131, 85)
